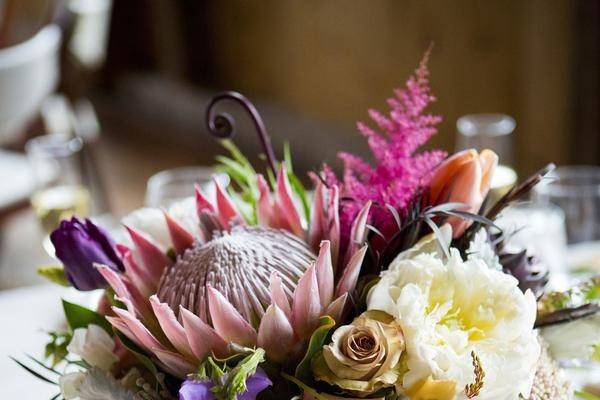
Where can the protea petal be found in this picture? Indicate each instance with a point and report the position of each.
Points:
(227, 320)
(143, 335)
(336, 309)
(275, 334)
(123, 288)
(333, 221)
(201, 337)
(139, 276)
(264, 209)
(203, 205)
(122, 327)
(307, 305)
(358, 232)
(152, 257)
(285, 203)
(170, 326)
(347, 282)
(180, 237)
(317, 218)
(324, 269)
(177, 365)
(228, 211)
(278, 295)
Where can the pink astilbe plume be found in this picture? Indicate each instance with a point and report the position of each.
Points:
(399, 173)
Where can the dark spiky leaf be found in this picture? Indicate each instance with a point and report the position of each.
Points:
(438, 235)
(528, 270)
(33, 372)
(519, 192)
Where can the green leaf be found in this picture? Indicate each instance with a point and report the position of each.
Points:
(56, 348)
(32, 372)
(54, 273)
(41, 364)
(300, 191)
(287, 157)
(304, 387)
(596, 353)
(236, 378)
(236, 154)
(586, 396)
(80, 317)
(317, 340)
(137, 352)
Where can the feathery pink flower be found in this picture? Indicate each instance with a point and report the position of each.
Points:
(399, 172)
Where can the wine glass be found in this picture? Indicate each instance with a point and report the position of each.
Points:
(168, 187)
(59, 193)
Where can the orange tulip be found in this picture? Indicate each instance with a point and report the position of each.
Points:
(464, 177)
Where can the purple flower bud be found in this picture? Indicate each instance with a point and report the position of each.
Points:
(201, 390)
(196, 390)
(79, 246)
(254, 385)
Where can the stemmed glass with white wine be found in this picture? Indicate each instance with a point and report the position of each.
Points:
(60, 191)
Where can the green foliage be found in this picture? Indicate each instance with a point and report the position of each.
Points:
(587, 292)
(243, 174)
(586, 396)
(80, 317)
(54, 273)
(229, 375)
(56, 348)
(317, 340)
(236, 378)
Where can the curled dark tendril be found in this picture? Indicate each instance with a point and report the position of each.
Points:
(222, 125)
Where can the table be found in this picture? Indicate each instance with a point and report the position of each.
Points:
(26, 315)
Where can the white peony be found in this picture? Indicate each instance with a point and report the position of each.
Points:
(94, 346)
(449, 309)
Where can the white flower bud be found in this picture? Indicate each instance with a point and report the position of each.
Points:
(94, 346)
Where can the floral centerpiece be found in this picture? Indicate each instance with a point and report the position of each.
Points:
(390, 282)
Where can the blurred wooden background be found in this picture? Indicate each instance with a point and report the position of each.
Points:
(333, 60)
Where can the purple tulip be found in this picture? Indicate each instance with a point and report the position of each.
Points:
(79, 245)
(201, 390)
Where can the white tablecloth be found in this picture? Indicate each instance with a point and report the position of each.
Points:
(26, 315)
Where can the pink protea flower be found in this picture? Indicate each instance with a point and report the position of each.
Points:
(231, 283)
(399, 173)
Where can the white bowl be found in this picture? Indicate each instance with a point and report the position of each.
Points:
(29, 71)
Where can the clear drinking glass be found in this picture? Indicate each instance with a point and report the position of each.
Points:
(494, 132)
(486, 131)
(576, 190)
(170, 186)
(60, 192)
(541, 230)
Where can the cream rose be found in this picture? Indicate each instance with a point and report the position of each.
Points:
(363, 356)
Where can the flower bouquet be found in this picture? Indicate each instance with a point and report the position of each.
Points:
(391, 282)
